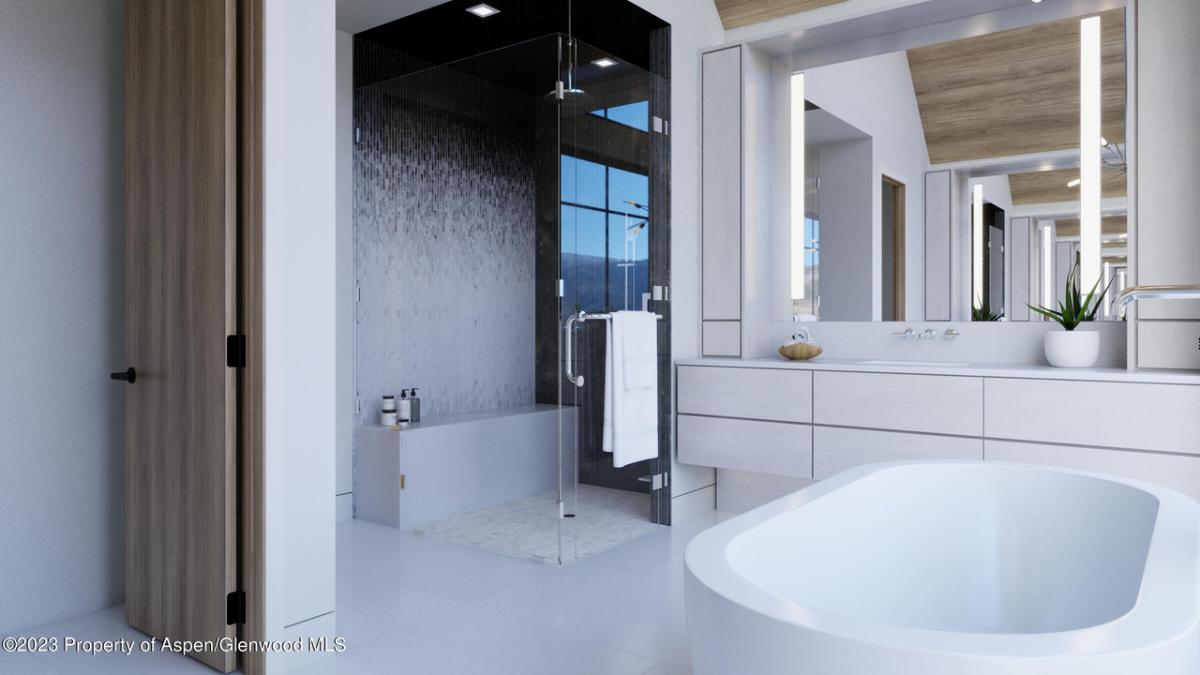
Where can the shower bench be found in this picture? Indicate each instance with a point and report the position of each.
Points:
(442, 467)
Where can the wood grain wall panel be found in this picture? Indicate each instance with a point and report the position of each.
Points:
(1047, 187)
(736, 13)
(1109, 226)
(1014, 92)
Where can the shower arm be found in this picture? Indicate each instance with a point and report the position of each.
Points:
(569, 340)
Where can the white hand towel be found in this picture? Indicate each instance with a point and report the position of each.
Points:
(631, 387)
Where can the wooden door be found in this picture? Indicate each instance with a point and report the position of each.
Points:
(180, 302)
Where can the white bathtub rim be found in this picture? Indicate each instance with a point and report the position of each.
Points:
(1167, 607)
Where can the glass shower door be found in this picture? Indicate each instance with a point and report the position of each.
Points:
(609, 190)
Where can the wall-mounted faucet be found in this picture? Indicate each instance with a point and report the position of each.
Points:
(928, 334)
(908, 334)
(1165, 292)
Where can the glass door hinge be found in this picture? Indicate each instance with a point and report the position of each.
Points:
(657, 481)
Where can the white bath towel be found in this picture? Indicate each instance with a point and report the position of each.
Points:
(631, 387)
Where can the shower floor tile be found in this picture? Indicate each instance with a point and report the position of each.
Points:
(530, 528)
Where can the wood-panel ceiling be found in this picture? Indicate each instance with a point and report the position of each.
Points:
(1014, 92)
(1045, 187)
(736, 13)
(1110, 226)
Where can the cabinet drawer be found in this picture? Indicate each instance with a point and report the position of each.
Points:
(836, 449)
(927, 403)
(764, 447)
(779, 395)
(1139, 416)
(1173, 471)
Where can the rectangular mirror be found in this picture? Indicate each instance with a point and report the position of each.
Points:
(960, 179)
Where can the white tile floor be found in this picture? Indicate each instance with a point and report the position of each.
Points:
(529, 528)
(412, 605)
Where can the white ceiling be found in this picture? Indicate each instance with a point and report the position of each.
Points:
(354, 16)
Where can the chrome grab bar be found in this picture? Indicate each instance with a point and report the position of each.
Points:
(569, 366)
(1164, 292)
(569, 340)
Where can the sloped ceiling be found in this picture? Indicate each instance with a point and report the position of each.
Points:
(1043, 187)
(1014, 92)
(1110, 226)
(735, 13)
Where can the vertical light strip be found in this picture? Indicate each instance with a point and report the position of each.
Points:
(977, 230)
(1048, 266)
(1089, 152)
(798, 187)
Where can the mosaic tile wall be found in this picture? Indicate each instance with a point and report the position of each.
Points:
(445, 228)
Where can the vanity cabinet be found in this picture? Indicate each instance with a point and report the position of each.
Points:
(816, 420)
(926, 403)
(763, 447)
(748, 419)
(1174, 471)
(781, 395)
(1138, 416)
(836, 449)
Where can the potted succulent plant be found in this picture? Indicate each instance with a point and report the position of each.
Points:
(1072, 348)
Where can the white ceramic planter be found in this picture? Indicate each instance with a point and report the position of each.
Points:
(1072, 348)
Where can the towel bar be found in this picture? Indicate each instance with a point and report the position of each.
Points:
(579, 317)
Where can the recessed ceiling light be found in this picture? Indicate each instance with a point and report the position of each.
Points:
(604, 62)
(1036, 1)
(483, 10)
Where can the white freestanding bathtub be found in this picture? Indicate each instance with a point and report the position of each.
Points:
(951, 568)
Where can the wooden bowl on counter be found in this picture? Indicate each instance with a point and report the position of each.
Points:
(800, 351)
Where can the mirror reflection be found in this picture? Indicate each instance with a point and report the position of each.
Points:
(960, 180)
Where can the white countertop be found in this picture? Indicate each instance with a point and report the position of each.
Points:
(1017, 371)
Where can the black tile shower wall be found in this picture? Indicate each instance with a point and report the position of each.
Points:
(445, 190)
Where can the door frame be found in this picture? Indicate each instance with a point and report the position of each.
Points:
(251, 459)
(898, 228)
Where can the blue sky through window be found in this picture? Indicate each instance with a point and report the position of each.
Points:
(604, 252)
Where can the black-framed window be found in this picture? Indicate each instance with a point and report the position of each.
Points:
(605, 233)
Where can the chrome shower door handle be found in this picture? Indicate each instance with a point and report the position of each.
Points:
(569, 362)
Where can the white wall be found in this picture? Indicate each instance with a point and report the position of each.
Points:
(876, 95)
(849, 221)
(694, 26)
(344, 478)
(299, 260)
(61, 308)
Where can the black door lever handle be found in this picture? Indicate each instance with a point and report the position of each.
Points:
(128, 375)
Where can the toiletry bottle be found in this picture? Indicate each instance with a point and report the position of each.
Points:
(405, 408)
(387, 412)
(414, 406)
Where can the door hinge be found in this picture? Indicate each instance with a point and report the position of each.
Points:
(235, 351)
(657, 481)
(402, 480)
(235, 607)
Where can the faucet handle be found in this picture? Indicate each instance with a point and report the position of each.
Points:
(908, 334)
(951, 334)
(928, 334)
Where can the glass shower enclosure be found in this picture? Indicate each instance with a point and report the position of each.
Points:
(577, 142)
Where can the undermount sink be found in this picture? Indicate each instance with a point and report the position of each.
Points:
(916, 364)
